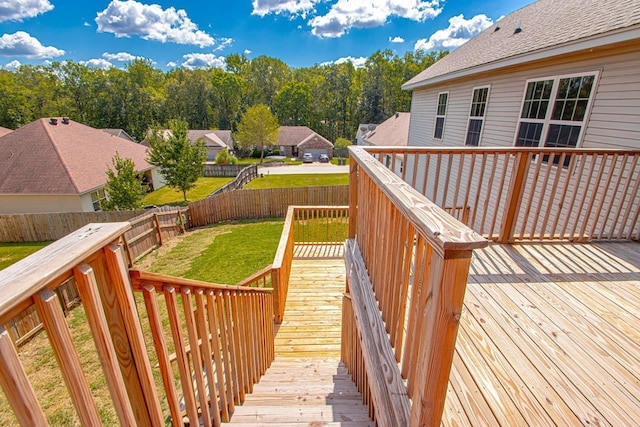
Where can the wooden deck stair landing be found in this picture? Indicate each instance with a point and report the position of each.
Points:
(307, 385)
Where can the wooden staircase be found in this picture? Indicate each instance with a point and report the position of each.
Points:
(307, 385)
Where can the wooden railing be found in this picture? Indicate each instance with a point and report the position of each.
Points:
(407, 264)
(232, 326)
(245, 176)
(523, 194)
(93, 256)
(320, 231)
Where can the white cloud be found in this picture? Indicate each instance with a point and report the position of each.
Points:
(17, 10)
(286, 7)
(86, 24)
(396, 39)
(223, 43)
(357, 62)
(97, 63)
(151, 22)
(24, 45)
(203, 60)
(247, 52)
(347, 14)
(172, 64)
(11, 66)
(120, 56)
(459, 31)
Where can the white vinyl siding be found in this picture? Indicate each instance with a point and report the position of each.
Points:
(614, 121)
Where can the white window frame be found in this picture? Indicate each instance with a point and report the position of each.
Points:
(97, 198)
(481, 118)
(440, 116)
(548, 121)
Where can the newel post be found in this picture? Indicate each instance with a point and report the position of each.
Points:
(353, 196)
(446, 287)
(516, 188)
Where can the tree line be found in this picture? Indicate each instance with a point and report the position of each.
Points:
(330, 99)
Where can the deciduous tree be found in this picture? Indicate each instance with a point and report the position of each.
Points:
(258, 128)
(124, 187)
(180, 161)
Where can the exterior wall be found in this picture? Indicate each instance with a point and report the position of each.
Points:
(43, 203)
(614, 121)
(158, 179)
(212, 153)
(316, 147)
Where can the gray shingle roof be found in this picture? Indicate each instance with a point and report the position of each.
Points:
(545, 24)
(392, 132)
(297, 135)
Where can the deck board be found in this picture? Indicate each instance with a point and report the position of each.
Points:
(307, 385)
(550, 335)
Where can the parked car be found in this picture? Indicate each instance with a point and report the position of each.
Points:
(307, 158)
(324, 158)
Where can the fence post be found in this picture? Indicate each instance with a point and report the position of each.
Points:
(516, 187)
(156, 223)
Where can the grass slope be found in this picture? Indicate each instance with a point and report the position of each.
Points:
(168, 196)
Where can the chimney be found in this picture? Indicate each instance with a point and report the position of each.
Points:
(53, 121)
(65, 120)
(397, 115)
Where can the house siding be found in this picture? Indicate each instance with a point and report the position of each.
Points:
(614, 121)
(42, 203)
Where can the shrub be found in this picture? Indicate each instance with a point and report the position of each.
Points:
(224, 157)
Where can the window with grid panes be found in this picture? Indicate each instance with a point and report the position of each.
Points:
(440, 115)
(476, 115)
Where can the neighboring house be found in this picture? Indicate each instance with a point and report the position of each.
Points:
(4, 131)
(120, 133)
(295, 141)
(214, 140)
(554, 73)
(392, 132)
(363, 129)
(58, 165)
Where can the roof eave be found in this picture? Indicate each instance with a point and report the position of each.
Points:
(596, 41)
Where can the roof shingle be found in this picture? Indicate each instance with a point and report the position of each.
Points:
(41, 158)
(544, 24)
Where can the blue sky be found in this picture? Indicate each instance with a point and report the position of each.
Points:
(195, 34)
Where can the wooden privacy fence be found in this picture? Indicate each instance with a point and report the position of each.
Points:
(245, 176)
(520, 194)
(149, 231)
(263, 203)
(407, 263)
(40, 227)
(222, 170)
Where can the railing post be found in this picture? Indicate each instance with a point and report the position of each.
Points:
(447, 281)
(275, 283)
(353, 196)
(514, 196)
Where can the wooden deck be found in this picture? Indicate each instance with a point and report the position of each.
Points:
(307, 385)
(550, 335)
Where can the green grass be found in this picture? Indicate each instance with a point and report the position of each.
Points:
(10, 253)
(222, 253)
(334, 161)
(299, 180)
(168, 196)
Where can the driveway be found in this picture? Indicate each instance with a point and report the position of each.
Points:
(303, 168)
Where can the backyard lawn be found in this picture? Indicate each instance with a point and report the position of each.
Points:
(11, 253)
(299, 180)
(168, 196)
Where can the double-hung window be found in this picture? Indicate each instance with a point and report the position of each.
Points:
(554, 111)
(476, 115)
(98, 197)
(440, 115)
